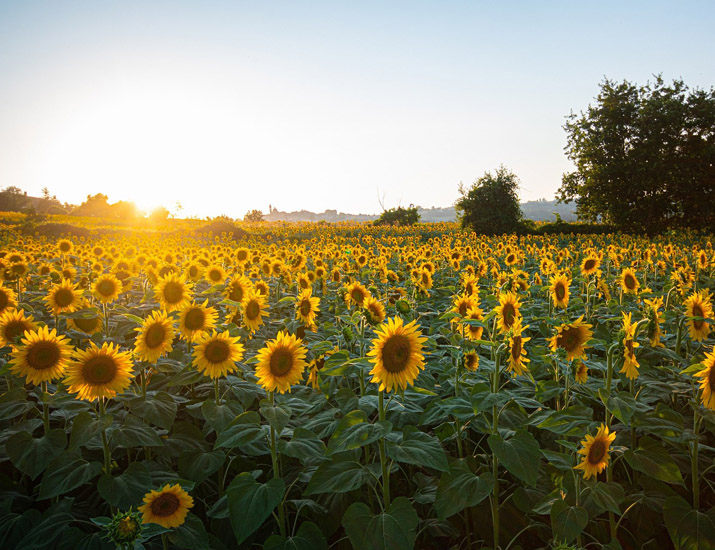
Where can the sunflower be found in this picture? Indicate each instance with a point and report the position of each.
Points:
(99, 372)
(216, 354)
(237, 288)
(64, 298)
(559, 290)
(654, 320)
(194, 272)
(471, 361)
(507, 311)
(629, 281)
(580, 371)
(517, 353)
(65, 246)
(42, 356)
(307, 307)
(590, 264)
(173, 292)
(255, 308)
(107, 288)
(155, 337)
(315, 366)
(397, 354)
(356, 294)
(707, 381)
(469, 331)
(573, 338)
(595, 452)
(699, 305)
(167, 507)
(8, 300)
(13, 324)
(262, 287)
(91, 324)
(215, 274)
(461, 304)
(281, 362)
(195, 319)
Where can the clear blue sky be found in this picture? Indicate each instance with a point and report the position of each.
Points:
(228, 106)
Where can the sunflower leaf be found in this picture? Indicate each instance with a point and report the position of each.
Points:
(519, 455)
(567, 521)
(394, 529)
(32, 455)
(250, 503)
(308, 537)
(459, 488)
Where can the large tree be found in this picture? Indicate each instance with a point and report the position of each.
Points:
(644, 156)
(491, 205)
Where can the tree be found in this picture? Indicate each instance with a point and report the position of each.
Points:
(253, 216)
(12, 199)
(491, 205)
(399, 216)
(644, 156)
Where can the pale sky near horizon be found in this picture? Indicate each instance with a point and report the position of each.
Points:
(229, 106)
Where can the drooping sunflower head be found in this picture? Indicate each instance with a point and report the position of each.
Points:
(196, 319)
(374, 311)
(307, 307)
(559, 290)
(91, 321)
(629, 281)
(573, 338)
(517, 352)
(507, 311)
(281, 363)
(654, 319)
(42, 357)
(471, 360)
(173, 292)
(155, 337)
(167, 507)
(255, 308)
(707, 381)
(473, 331)
(107, 288)
(99, 372)
(64, 297)
(8, 300)
(216, 354)
(397, 354)
(580, 371)
(595, 452)
(698, 307)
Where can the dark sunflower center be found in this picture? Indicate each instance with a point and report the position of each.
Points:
(471, 361)
(516, 348)
(236, 293)
(165, 505)
(711, 378)
(193, 271)
(281, 362)
(99, 370)
(305, 308)
(463, 309)
(87, 325)
(357, 295)
(560, 291)
(629, 348)
(629, 281)
(253, 310)
(425, 277)
(43, 355)
(697, 312)
(216, 351)
(195, 319)
(155, 335)
(215, 275)
(596, 452)
(304, 283)
(589, 265)
(106, 288)
(64, 297)
(3, 300)
(173, 292)
(242, 256)
(64, 247)
(396, 353)
(570, 339)
(14, 329)
(509, 314)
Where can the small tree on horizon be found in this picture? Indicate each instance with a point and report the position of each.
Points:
(253, 216)
(491, 205)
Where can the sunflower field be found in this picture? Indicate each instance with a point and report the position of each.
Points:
(319, 387)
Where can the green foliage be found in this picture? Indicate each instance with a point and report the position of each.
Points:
(12, 199)
(491, 205)
(253, 216)
(644, 156)
(399, 216)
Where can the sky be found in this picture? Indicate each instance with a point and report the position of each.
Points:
(225, 107)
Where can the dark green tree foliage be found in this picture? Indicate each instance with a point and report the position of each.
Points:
(253, 216)
(491, 205)
(644, 156)
(399, 216)
(12, 199)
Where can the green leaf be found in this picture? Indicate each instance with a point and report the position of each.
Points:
(519, 455)
(250, 503)
(418, 448)
(394, 529)
(567, 521)
(337, 364)
(243, 430)
(459, 488)
(603, 497)
(337, 476)
(85, 426)
(569, 421)
(304, 445)
(66, 472)
(277, 415)
(355, 431)
(48, 532)
(135, 433)
(308, 537)
(191, 534)
(126, 489)
(197, 465)
(159, 409)
(653, 459)
(13, 403)
(689, 529)
(32, 455)
(220, 416)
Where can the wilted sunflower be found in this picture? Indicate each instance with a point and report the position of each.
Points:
(470, 331)
(573, 338)
(155, 337)
(167, 507)
(196, 319)
(630, 363)
(374, 311)
(397, 354)
(255, 308)
(471, 360)
(107, 288)
(173, 292)
(507, 311)
(517, 353)
(307, 307)
(356, 294)
(42, 356)
(580, 371)
(216, 354)
(699, 305)
(13, 324)
(8, 300)
(64, 298)
(629, 281)
(595, 452)
(707, 381)
(99, 372)
(237, 288)
(559, 290)
(281, 363)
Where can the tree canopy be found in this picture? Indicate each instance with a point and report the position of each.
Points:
(399, 216)
(644, 156)
(491, 205)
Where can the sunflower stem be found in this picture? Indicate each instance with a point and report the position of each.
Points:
(694, 458)
(383, 457)
(45, 408)
(105, 444)
(609, 472)
(164, 541)
(276, 473)
(495, 460)
(216, 392)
